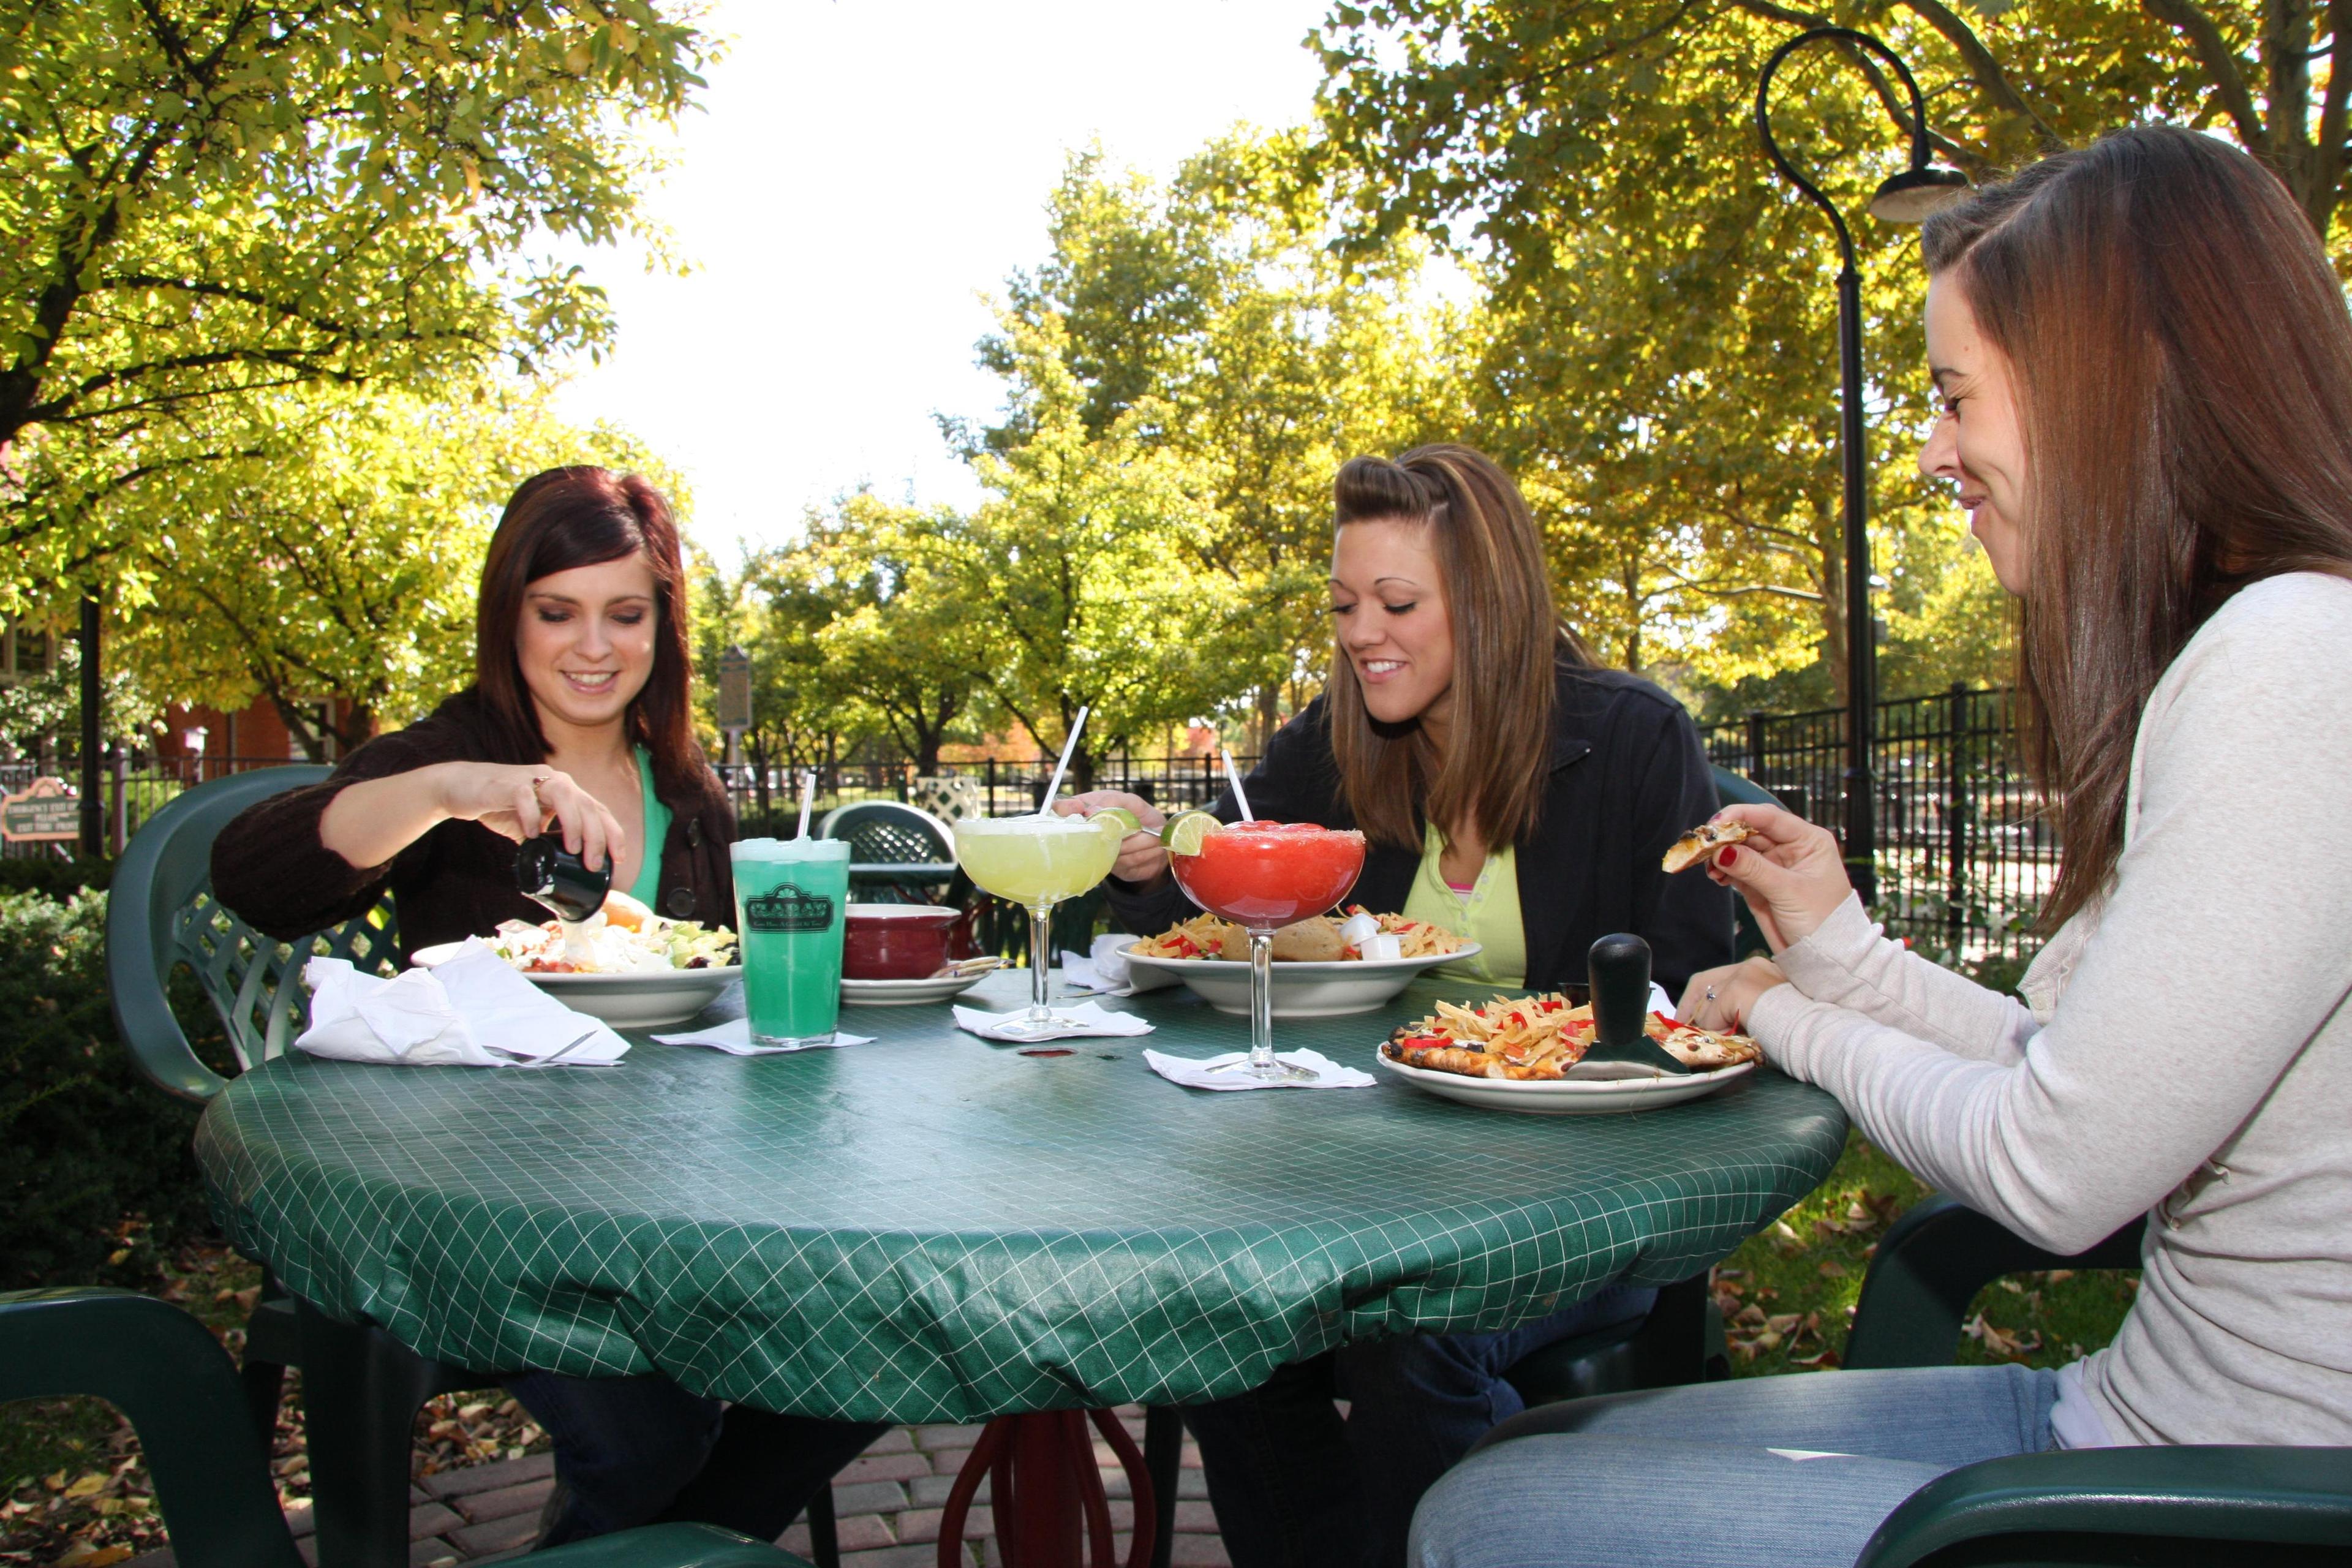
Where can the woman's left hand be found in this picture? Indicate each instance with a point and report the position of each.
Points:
(1719, 999)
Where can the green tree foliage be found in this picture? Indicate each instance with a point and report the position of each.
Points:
(1081, 565)
(903, 640)
(208, 201)
(339, 554)
(1205, 323)
(1660, 361)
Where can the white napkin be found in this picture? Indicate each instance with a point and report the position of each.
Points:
(1193, 1073)
(734, 1037)
(1085, 1018)
(1102, 969)
(473, 1010)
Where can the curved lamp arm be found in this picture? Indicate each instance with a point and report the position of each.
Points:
(1917, 129)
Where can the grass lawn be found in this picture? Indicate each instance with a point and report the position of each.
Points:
(1787, 1294)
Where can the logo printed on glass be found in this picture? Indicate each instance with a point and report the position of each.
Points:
(788, 909)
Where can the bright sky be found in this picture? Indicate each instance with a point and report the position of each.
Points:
(859, 176)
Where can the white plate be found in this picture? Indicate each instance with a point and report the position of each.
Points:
(1300, 989)
(639, 999)
(906, 992)
(1600, 1091)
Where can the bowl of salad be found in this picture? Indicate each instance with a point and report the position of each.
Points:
(625, 964)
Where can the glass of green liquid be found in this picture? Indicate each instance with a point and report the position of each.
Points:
(790, 895)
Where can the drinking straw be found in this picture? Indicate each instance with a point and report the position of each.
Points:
(808, 799)
(1235, 779)
(1069, 746)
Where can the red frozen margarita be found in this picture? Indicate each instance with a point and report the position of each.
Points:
(1262, 875)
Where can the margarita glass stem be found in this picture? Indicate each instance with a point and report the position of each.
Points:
(1041, 943)
(1261, 1058)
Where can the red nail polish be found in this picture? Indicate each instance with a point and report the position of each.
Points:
(1726, 858)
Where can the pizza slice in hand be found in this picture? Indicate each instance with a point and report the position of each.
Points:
(1703, 841)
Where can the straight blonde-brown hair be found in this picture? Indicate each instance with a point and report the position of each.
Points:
(1507, 643)
(2182, 361)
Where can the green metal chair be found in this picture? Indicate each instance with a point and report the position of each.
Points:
(2193, 1504)
(361, 1387)
(897, 853)
(164, 1370)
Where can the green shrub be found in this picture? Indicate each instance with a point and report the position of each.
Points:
(99, 1173)
(60, 878)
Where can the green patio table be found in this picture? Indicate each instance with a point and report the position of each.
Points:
(937, 1228)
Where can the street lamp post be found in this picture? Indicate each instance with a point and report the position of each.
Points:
(1906, 197)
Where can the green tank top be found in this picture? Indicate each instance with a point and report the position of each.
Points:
(1488, 914)
(656, 829)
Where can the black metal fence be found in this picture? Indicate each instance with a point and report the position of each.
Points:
(1964, 855)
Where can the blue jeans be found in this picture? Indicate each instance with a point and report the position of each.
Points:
(1691, 1477)
(1295, 1485)
(638, 1450)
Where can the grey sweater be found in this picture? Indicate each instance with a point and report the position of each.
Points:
(2186, 1051)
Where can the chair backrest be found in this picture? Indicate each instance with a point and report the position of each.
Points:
(160, 913)
(1731, 789)
(179, 1389)
(885, 832)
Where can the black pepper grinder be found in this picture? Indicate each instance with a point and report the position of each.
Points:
(1619, 967)
(547, 871)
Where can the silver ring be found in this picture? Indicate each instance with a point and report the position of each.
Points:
(1710, 992)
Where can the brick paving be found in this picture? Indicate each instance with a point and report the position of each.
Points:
(887, 1504)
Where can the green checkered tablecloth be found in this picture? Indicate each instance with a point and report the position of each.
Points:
(933, 1227)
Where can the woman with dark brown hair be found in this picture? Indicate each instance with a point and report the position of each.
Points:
(579, 716)
(1511, 790)
(2144, 363)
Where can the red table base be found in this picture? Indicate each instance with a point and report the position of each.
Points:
(1046, 1495)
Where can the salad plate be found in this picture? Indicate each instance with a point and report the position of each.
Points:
(644, 997)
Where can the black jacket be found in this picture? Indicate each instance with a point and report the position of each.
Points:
(1628, 778)
(456, 881)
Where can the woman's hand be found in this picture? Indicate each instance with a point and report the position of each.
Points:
(1140, 858)
(1719, 999)
(520, 802)
(1790, 872)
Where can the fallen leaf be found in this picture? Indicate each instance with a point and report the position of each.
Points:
(1747, 1315)
(1768, 1341)
(88, 1486)
(86, 1556)
(1782, 1323)
(1833, 1269)
(1827, 1361)
(2059, 1276)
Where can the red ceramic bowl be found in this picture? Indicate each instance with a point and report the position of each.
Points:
(895, 941)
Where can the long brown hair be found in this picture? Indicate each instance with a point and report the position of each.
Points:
(2182, 361)
(1507, 643)
(583, 516)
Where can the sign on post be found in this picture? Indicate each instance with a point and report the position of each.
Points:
(734, 699)
(47, 813)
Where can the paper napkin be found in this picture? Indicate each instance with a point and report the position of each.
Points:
(473, 1010)
(734, 1037)
(1083, 1018)
(1196, 1073)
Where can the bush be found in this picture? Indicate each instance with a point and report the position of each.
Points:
(101, 1175)
(58, 877)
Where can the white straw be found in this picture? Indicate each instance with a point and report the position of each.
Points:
(1235, 779)
(1069, 746)
(808, 799)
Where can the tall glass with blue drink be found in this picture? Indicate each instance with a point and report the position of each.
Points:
(790, 895)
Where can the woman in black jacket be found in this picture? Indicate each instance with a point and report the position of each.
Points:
(578, 717)
(1511, 790)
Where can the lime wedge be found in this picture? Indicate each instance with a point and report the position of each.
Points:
(1118, 816)
(1186, 830)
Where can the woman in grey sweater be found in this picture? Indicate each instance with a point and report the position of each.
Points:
(2144, 363)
